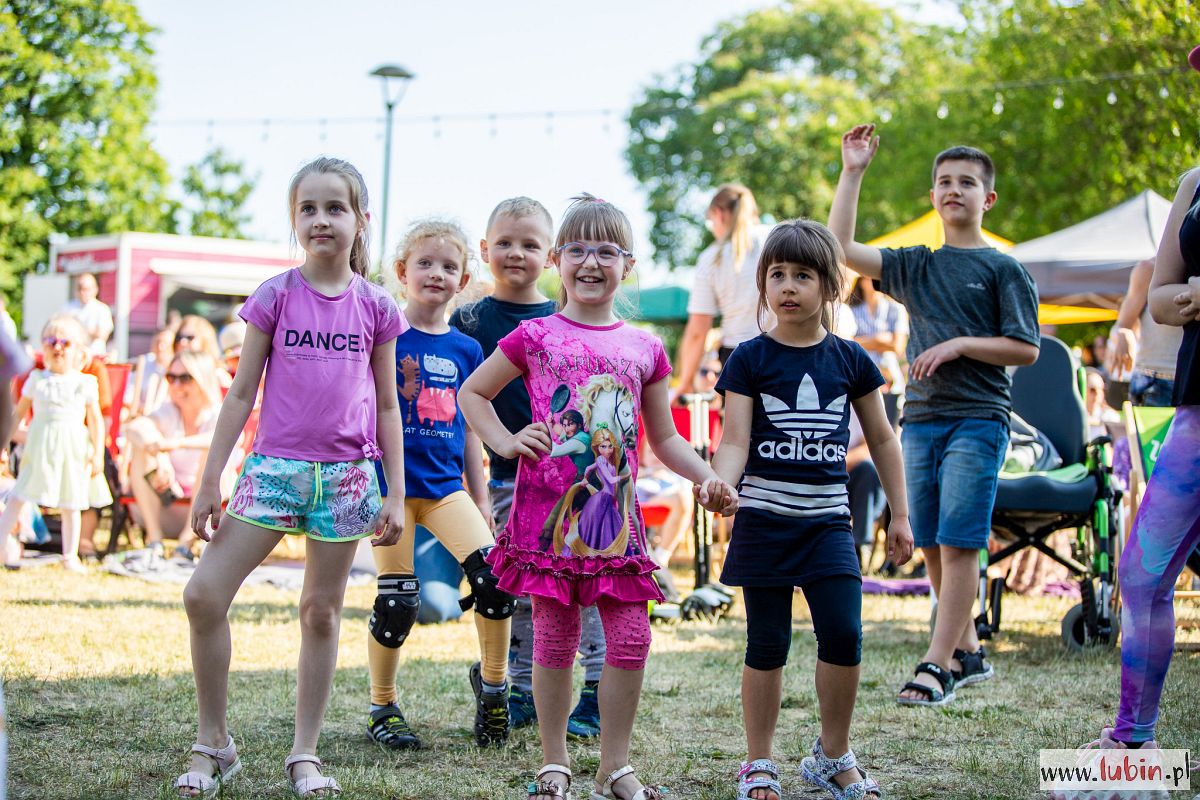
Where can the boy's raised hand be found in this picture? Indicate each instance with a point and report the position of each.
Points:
(858, 147)
(531, 441)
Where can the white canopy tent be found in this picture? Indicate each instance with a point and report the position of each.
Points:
(1088, 263)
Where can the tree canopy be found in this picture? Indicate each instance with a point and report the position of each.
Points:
(216, 189)
(1081, 105)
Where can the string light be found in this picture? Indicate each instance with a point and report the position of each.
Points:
(1058, 100)
(943, 110)
(998, 106)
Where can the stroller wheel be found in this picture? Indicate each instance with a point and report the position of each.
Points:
(1077, 637)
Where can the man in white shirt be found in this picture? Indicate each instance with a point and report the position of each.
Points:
(95, 315)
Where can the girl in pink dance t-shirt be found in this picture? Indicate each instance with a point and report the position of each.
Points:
(576, 536)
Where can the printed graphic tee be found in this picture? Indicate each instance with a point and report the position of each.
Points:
(576, 532)
(430, 370)
(319, 398)
(793, 520)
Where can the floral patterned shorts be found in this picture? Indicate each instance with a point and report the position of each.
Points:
(330, 502)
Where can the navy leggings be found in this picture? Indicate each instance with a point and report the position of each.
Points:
(836, 606)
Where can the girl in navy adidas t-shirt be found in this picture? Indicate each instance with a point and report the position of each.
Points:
(788, 394)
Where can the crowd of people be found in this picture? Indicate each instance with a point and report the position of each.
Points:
(356, 420)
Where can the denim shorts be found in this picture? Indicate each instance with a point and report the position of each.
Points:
(952, 468)
(327, 501)
(1150, 390)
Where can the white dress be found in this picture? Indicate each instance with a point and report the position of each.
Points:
(54, 464)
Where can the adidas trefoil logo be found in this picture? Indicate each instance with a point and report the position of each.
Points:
(808, 421)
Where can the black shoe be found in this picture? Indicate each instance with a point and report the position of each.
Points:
(390, 729)
(491, 712)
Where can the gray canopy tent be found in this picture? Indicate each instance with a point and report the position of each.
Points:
(1088, 263)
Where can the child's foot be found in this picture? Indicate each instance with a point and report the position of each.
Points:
(388, 727)
(759, 780)
(304, 774)
(552, 782)
(491, 711)
(623, 784)
(73, 564)
(970, 668)
(840, 776)
(932, 685)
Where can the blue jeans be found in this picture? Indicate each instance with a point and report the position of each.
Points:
(1147, 390)
(952, 467)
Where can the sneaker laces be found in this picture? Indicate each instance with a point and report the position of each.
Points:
(493, 709)
(395, 725)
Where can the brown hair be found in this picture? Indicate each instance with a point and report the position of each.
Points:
(963, 153)
(360, 259)
(810, 244)
(589, 218)
(739, 202)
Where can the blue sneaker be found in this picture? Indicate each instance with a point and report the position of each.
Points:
(584, 722)
(521, 711)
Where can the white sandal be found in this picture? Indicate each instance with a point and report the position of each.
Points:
(225, 765)
(644, 793)
(548, 788)
(308, 787)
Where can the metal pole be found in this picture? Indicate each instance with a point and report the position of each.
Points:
(387, 180)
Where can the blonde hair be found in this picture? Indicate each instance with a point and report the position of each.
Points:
(360, 259)
(432, 228)
(739, 203)
(206, 334)
(598, 436)
(589, 218)
(809, 244)
(520, 207)
(74, 330)
(203, 372)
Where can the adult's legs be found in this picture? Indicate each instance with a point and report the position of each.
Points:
(141, 433)
(627, 633)
(1166, 530)
(768, 639)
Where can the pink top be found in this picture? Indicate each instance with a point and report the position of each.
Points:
(576, 532)
(319, 397)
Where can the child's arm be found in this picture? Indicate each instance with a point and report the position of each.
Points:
(95, 426)
(235, 410)
(885, 454)
(477, 476)
(475, 400)
(730, 461)
(1174, 299)
(389, 429)
(858, 148)
(1119, 360)
(1002, 351)
(714, 493)
(23, 406)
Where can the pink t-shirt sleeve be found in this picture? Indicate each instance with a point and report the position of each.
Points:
(260, 308)
(513, 347)
(390, 321)
(661, 366)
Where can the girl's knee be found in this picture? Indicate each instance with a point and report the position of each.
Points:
(554, 654)
(841, 647)
(768, 652)
(203, 604)
(320, 617)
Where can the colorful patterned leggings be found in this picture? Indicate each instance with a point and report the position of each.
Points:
(557, 627)
(1166, 530)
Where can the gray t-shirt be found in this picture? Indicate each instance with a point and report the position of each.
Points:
(953, 292)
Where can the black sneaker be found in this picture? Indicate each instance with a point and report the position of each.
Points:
(491, 712)
(390, 729)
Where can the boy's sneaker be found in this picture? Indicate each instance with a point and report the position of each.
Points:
(521, 711)
(491, 711)
(584, 722)
(388, 727)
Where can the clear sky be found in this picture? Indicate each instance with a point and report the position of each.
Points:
(303, 60)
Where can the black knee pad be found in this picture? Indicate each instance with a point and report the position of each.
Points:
(396, 605)
(488, 599)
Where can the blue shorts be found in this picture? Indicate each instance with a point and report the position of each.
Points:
(952, 468)
(330, 502)
(1150, 390)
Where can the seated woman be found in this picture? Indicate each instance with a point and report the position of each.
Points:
(197, 334)
(168, 448)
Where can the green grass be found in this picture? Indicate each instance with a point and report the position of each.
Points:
(101, 703)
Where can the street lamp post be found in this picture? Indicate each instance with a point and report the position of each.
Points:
(392, 93)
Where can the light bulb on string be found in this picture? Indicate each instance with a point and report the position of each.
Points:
(885, 115)
(1164, 93)
(1058, 100)
(943, 111)
(1112, 98)
(998, 106)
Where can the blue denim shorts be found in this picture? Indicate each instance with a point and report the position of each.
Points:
(951, 468)
(1150, 390)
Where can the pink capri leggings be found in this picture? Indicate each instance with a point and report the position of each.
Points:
(556, 630)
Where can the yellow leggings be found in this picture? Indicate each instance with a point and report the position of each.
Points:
(456, 522)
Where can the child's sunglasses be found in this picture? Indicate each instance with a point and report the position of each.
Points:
(52, 342)
(183, 378)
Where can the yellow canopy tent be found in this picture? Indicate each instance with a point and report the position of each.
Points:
(927, 230)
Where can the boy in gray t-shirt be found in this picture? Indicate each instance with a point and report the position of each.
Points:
(973, 312)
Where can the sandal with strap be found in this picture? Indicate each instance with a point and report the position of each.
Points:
(540, 786)
(819, 769)
(973, 669)
(933, 697)
(225, 765)
(644, 793)
(310, 786)
(759, 766)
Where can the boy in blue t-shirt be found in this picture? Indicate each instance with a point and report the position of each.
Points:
(973, 312)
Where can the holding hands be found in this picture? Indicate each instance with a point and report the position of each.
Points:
(1189, 301)
(717, 496)
(858, 147)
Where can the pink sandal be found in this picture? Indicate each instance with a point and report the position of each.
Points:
(225, 765)
(308, 787)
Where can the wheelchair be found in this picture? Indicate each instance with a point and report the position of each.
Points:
(1048, 394)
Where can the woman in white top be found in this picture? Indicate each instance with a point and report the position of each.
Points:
(1142, 351)
(724, 283)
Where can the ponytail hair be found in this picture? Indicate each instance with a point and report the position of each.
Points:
(360, 257)
(739, 202)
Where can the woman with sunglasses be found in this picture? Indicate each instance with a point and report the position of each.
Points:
(197, 335)
(168, 448)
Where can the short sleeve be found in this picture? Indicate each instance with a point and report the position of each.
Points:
(898, 267)
(389, 321)
(31, 383)
(703, 299)
(866, 376)
(474, 354)
(736, 375)
(661, 365)
(458, 319)
(261, 309)
(1018, 301)
(514, 347)
(90, 388)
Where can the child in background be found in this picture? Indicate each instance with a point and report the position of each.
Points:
(432, 361)
(793, 529)
(59, 468)
(586, 360)
(330, 337)
(972, 312)
(517, 250)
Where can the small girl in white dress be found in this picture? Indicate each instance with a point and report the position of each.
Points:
(62, 464)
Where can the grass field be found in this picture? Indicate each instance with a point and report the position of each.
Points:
(101, 703)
